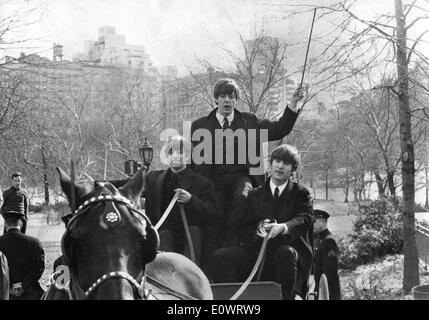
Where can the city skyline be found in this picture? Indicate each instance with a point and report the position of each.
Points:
(172, 33)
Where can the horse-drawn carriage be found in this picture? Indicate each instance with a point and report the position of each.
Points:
(106, 227)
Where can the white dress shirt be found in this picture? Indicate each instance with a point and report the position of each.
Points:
(281, 189)
(221, 118)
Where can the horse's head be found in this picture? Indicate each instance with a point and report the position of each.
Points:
(107, 242)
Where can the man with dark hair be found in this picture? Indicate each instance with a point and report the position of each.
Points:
(235, 174)
(282, 210)
(15, 200)
(25, 258)
(326, 255)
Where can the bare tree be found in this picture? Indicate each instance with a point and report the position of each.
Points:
(354, 44)
(259, 69)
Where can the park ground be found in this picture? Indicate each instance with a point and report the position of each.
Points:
(380, 280)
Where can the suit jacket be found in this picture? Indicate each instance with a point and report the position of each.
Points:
(296, 210)
(245, 120)
(200, 211)
(25, 257)
(326, 256)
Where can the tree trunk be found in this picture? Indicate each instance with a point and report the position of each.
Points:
(326, 183)
(380, 184)
(426, 170)
(347, 176)
(105, 163)
(45, 175)
(362, 186)
(427, 187)
(392, 188)
(411, 262)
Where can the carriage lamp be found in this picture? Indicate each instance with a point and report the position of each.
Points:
(146, 153)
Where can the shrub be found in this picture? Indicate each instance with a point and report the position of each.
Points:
(377, 231)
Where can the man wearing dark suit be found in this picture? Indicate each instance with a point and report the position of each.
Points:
(25, 257)
(283, 210)
(15, 200)
(326, 255)
(229, 165)
(196, 195)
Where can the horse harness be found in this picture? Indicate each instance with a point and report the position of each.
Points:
(139, 288)
(112, 218)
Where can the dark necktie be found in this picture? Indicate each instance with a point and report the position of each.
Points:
(276, 207)
(224, 127)
(276, 194)
(225, 123)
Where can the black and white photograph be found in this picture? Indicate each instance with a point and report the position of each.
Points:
(235, 151)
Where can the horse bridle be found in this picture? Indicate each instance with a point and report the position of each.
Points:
(138, 287)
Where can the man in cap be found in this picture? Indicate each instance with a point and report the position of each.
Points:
(234, 175)
(326, 255)
(26, 259)
(16, 200)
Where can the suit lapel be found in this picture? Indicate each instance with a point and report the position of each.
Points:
(238, 122)
(266, 195)
(212, 122)
(287, 192)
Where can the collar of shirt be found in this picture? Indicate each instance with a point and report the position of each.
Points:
(221, 117)
(281, 187)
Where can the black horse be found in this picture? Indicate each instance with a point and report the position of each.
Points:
(111, 247)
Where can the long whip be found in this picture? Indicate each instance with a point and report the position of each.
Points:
(308, 47)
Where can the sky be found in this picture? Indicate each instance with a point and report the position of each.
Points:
(173, 32)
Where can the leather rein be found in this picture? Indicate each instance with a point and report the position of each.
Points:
(72, 287)
(138, 287)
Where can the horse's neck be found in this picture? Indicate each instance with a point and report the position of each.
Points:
(76, 292)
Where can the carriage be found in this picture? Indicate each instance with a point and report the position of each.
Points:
(169, 276)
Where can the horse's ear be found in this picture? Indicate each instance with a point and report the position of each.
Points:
(135, 186)
(79, 190)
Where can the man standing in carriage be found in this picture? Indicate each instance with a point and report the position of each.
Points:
(232, 177)
(283, 209)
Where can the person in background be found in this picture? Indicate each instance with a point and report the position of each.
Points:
(15, 200)
(26, 259)
(326, 255)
